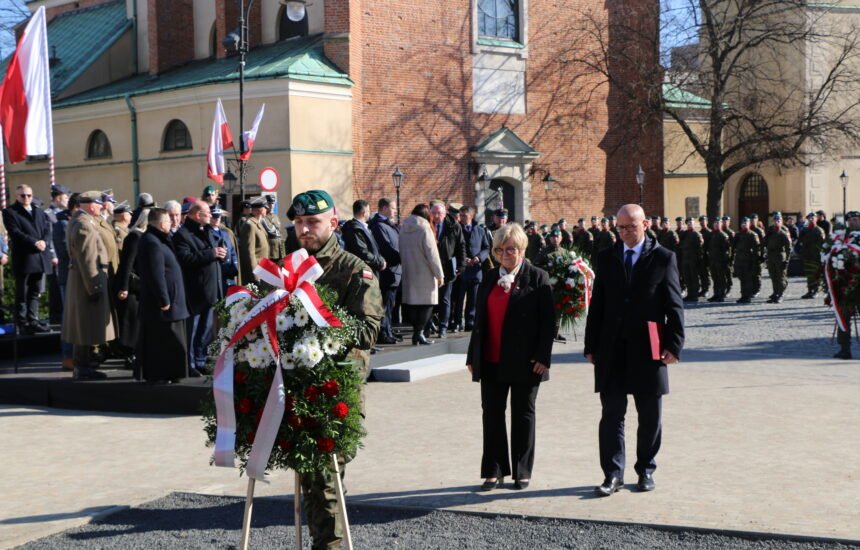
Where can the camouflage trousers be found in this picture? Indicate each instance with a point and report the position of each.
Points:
(777, 268)
(325, 522)
(746, 275)
(719, 276)
(812, 269)
(704, 278)
(691, 277)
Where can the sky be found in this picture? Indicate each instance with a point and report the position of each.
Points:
(10, 14)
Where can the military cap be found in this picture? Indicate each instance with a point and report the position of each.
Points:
(612, 218)
(753, 216)
(529, 225)
(209, 190)
(810, 215)
(554, 233)
(57, 189)
(216, 211)
(186, 206)
(689, 219)
(679, 219)
(107, 196)
(777, 215)
(727, 218)
(544, 226)
(89, 197)
(594, 218)
(259, 202)
(852, 214)
(561, 221)
(580, 220)
(271, 199)
(246, 204)
(604, 220)
(145, 200)
(655, 218)
(703, 218)
(501, 213)
(122, 208)
(310, 203)
(745, 219)
(664, 219)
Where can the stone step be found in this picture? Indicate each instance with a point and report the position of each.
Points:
(421, 369)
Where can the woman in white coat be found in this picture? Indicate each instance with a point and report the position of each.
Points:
(422, 271)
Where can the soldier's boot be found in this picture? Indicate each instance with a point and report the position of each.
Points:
(844, 340)
(325, 522)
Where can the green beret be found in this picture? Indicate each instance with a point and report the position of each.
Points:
(604, 220)
(703, 218)
(745, 220)
(664, 219)
(209, 190)
(594, 218)
(727, 218)
(753, 216)
(310, 203)
(852, 214)
(90, 196)
(679, 219)
(689, 219)
(777, 215)
(562, 221)
(555, 233)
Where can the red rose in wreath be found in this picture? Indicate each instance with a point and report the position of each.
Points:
(244, 406)
(325, 444)
(340, 410)
(294, 421)
(240, 377)
(288, 403)
(330, 388)
(285, 445)
(312, 393)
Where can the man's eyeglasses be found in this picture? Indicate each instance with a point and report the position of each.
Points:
(24, 195)
(510, 251)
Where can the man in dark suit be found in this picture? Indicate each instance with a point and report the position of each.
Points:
(359, 241)
(477, 245)
(32, 255)
(636, 294)
(387, 236)
(452, 252)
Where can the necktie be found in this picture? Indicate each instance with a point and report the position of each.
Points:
(628, 264)
(438, 231)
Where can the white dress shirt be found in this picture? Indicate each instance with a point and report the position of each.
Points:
(637, 251)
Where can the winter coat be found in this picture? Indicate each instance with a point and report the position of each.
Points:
(24, 230)
(194, 245)
(421, 263)
(387, 236)
(160, 279)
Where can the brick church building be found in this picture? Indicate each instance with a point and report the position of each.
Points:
(476, 101)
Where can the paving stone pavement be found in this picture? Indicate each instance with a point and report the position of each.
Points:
(760, 435)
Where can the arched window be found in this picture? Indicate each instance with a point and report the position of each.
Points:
(176, 136)
(754, 187)
(753, 196)
(98, 146)
(291, 29)
(498, 18)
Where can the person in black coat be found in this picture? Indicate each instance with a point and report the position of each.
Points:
(387, 236)
(452, 252)
(32, 252)
(477, 249)
(200, 258)
(636, 313)
(128, 292)
(510, 352)
(358, 240)
(161, 349)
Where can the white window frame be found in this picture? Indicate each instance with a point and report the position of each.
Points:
(522, 46)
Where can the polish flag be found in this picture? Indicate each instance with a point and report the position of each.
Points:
(25, 104)
(249, 136)
(221, 139)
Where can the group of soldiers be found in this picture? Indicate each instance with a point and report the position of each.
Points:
(709, 256)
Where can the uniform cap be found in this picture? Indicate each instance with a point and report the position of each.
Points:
(810, 215)
(703, 218)
(259, 202)
(310, 203)
(554, 233)
(217, 212)
(89, 197)
(594, 218)
(561, 221)
(145, 200)
(529, 225)
(604, 220)
(501, 213)
(246, 204)
(745, 219)
(107, 196)
(753, 216)
(664, 219)
(727, 218)
(271, 199)
(852, 214)
(777, 215)
(655, 218)
(679, 219)
(186, 206)
(122, 208)
(57, 189)
(612, 218)
(209, 190)
(689, 219)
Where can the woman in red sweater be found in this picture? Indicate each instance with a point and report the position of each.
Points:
(510, 352)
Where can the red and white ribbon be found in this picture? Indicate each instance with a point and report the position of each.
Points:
(298, 281)
(840, 243)
(588, 276)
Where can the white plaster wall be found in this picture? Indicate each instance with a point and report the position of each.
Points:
(204, 18)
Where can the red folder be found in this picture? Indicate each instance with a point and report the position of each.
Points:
(654, 330)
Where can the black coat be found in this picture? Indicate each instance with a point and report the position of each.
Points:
(528, 329)
(24, 230)
(358, 241)
(61, 248)
(387, 236)
(477, 243)
(127, 279)
(616, 331)
(160, 279)
(452, 248)
(194, 245)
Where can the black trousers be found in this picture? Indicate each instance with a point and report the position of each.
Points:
(443, 308)
(389, 296)
(611, 433)
(496, 462)
(55, 299)
(465, 295)
(418, 316)
(28, 287)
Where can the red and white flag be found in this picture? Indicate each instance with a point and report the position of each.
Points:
(25, 104)
(221, 139)
(249, 136)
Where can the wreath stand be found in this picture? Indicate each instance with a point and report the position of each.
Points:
(297, 508)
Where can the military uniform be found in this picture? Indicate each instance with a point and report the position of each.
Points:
(704, 265)
(747, 248)
(811, 239)
(594, 229)
(272, 226)
(778, 245)
(719, 257)
(358, 292)
(253, 247)
(754, 227)
(584, 242)
(534, 247)
(680, 232)
(604, 240)
(731, 233)
(566, 237)
(692, 257)
(668, 239)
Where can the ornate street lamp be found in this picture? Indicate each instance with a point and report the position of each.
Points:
(548, 182)
(843, 178)
(397, 176)
(640, 181)
(296, 9)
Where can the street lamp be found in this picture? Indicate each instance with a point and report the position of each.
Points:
(296, 9)
(844, 179)
(548, 182)
(397, 176)
(640, 180)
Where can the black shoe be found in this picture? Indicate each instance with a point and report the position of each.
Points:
(398, 337)
(490, 485)
(468, 328)
(609, 486)
(520, 485)
(712, 299)
(560, 338)
(755, 294)
(386, 340)
(86, 373)
(194, 373)
(646, 483)
(691, 299)
(776, 300)
(809, 295)
(421, 340)
(38, 328)
(744, 300)
(443, 334)
(703, 293)
(843, 354)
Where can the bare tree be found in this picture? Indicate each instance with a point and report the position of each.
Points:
(781, 78)
(12, 12)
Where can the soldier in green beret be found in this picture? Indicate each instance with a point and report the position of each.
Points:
(755, 227)
(566, 237)
(727, 229)
(777, 243)
(811, 240)
(704, 267)
(746, 258)
(666, 237)
(583, 240)
(681, 232)
(535, 242)
(692, 256)
(605, 239)
(719, 256)
(595, 227)
(315, 218)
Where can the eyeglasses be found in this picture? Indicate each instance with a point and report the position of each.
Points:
(24, 195)
(510, 251)
(627, 227)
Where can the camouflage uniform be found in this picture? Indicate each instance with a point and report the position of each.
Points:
(583, 241)
(604, 240)
(358, 292)
(746, 258)
(704, 266)
(719, 256)
(272, 225)
(778, 246)
(534, 247)
(757, 267)
(811, 239)
(668, 239)
(692, 257)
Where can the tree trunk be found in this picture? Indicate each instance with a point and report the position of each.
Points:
(715, 188)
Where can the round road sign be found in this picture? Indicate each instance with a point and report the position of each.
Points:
(269, 179)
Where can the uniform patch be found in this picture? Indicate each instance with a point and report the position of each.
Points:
(366, 274)
(322, 204)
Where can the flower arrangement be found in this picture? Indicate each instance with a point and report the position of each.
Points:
(299, 364)
(840, 257)
(571, 278)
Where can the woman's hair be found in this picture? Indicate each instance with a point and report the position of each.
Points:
(513, 232)
(141, 221)
(422, 210)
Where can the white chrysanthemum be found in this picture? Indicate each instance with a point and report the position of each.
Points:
(331, 347)
(255, 361)
(312, 342)
(301, 318)
(570, 282)
(284, 323)
(300, 351)
(287, 362)
(242, 356)
(315, 355)
(553, 281)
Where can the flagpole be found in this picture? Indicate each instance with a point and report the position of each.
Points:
(52, 177)
(2, 182)
(243, 51)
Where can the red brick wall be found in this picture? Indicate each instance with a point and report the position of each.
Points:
(416, 112)
(171, 34)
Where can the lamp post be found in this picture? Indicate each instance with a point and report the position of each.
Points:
(640, 180)
(397, 176)
(843, 178)
(548, 182)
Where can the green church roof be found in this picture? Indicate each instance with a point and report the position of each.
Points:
(682, 99)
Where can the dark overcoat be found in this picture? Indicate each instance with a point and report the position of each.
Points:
(160, 279)
(194, 245)
(25, 230)
(387, 236)
(359, 241)
(616, 330)
(528, 329)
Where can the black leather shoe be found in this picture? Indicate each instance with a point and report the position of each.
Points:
(691, 299)
(468, 328)
(777, 300)
(609, 486)
(194, 373)
(490, 485)
(38, 328)
(744, 300)
(559, 338)
(519, 485)
(421, 340)
(843, 354)
(646, 483)
(386, 340)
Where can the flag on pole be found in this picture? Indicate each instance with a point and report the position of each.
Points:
(221, 139)
(2, 166)
(25, 104)
(249, 136)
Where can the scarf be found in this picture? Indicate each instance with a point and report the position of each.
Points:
(506, 279)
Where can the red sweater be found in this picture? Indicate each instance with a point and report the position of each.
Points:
(497, 306)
